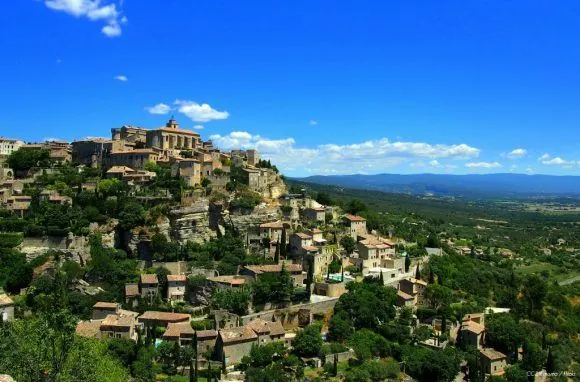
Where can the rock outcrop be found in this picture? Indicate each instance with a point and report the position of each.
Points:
(192, 223)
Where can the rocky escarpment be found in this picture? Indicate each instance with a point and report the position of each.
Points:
(248, 224)
(192, 223)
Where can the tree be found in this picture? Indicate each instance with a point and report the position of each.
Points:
(515, 374)
(431, 278)
(24, 159)
(407, 263)
(324, 199)
(417, 273)
(308, 341)
(368, 344)
(284, 248)
(340, 327)
(438, 295)
(233, 300)
(277, 253)
(142, 368)
(550, 362)
(534, 357)
(503, 333)
(348, 243)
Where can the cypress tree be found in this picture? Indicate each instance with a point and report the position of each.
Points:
(550, 361)
(277, 253)
(407, 263)
(335, 368)
(342, 273)
(382, 278)
(417, 272)
(431, 278)
(444, 323)
(283, 249)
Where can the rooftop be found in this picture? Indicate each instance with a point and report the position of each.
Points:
(176, 278)
(206, 334)
(492, 354)
(404, 295)
(241, 334)
(105, 305)
(274, 225)
(302, 235)
(233, 280)
(5, 300)
(177, 329)
(120, 321)
(164, 316)
(149, 278)
(89, 329)
(259, 269)
(119, 170)
(131, 290)
(354, 218)
(472, 326)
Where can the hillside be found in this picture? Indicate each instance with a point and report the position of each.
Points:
(488, 185)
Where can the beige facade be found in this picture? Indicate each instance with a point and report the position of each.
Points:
(135, 159)
(119, 326)
(149, 285)
(8, 146)
(103, 309)
(492, 361)
(172, 137)
(295, 270)
(189, 169)
(415, 288)
(131, 136)
(176, 287)
(355, 225)
(472, 333)
(317, 214)
(376, 252)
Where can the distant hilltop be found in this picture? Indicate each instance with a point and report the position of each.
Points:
(472, 185)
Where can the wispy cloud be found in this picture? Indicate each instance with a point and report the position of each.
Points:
(121, 78)
(378, 155)
(312, 122)
(516, 153)
(558, 161)
(159, 109)
(198, 127)
(483, 164)
(94, 10)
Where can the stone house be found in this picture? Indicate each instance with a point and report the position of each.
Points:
(103, 309)
(472, 333)
(233, 344)
(206, 340)
(6, 308)
(272, 230)
(317, 214)
(176, 287)
(119, 326)
(267, 331)
(227, 281)
(298, 241)
(7, 146)
(132, 294)
(94, 152)
(332, 289)
(492, 361)
(154, 318)
(356, 225)
(405, 300)
(180, 332)
(189, 169)
(135, 159)
(414, 287)
(375, 252)
(130, 136)
(149, 285)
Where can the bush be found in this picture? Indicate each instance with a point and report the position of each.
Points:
(11, 239)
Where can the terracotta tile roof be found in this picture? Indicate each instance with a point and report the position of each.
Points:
(492, 354)
(472, 326)
(177, 329)
(149, 278)
(276, 328)
(318, 209)
(259, 326)
(131, 290)
(105, 305)
(164, 316)
(273, 225)
(310, 248)
(135, 151)
(404, 295)
(119, 169)
(315, 230)
(5, 300)
(232, 280)
(118, 321)
(259, 269)
(176, 278)
(241, 334)
(417, 281)
(90, 329)
(205, 334)
(303, 235)
(354, 218)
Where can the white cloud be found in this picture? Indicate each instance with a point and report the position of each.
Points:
(517, 153)
(483, 165)
(544, 157)
(312, 122)
(200, 112)
(378, 154)
(93, 10)
(198, 127)
(121, 78)
(159, 109)
(558, 161)
(435, 163)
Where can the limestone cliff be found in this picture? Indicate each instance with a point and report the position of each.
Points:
(192, 223)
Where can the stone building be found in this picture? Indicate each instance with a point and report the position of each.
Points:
(356, 225)
(233, 344)
(206, 340)
(7, 146)
(6, 308)
(149, 285)
(130, 136)
(472, 332)
(135, 159)
(176, 287)
(376, 252)
(154, 318)
(172, 137)
(94, 152)
(103, 309)
(190, 169)
(132, 294)
(180, 332)
(295, 270)
(414, 287)
(119, 326)
(317, 214)
(493, 362)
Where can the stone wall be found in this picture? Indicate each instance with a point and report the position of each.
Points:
(344, 356)
(291, 317)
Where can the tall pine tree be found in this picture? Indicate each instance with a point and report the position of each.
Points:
(407, 263)
(277, 254)
(417, 273)
(284, 248)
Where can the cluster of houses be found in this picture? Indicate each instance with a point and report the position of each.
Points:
(229, 345)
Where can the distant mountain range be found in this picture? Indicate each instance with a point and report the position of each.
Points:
(488, 185)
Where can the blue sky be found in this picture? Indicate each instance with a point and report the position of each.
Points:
(320, 87)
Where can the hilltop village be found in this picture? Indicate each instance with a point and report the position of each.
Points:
(166, 258)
